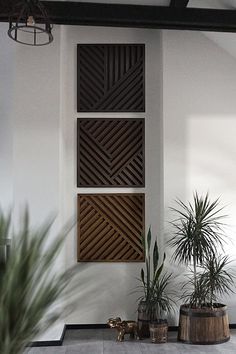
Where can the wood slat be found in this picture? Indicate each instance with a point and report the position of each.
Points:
(105, 83)
(112, 155)
(116, 233)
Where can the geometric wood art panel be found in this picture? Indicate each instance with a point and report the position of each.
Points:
(110, 152)
(111, 78)
(110, 227)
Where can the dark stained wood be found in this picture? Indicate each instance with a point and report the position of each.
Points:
(143, 320)
(120, 15)
(111, 152)
(111, 78)
(112, 232)
(204, 326)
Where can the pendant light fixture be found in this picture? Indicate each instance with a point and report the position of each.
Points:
(29, 23)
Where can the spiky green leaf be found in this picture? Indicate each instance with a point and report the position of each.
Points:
(155, 256)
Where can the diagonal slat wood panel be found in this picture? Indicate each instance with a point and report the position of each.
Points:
(111, 78)
(110, 152)
(110, 227)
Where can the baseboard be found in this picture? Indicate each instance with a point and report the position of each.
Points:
(57, 343)
(49, 343)
(46, 343)
(87, 326)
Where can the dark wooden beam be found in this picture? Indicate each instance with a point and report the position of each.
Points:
(179, 3)
(120, 15)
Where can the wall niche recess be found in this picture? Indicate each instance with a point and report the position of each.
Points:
(111, 78)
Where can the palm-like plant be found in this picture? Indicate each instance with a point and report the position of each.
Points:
(216, 278)
(194, 293)
(28, 285)
(197, 240)
(154, 281)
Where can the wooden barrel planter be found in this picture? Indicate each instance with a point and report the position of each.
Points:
(143, 320)
(158, 331)
(203, 325)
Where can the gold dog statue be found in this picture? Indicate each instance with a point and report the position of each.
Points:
(124, 327)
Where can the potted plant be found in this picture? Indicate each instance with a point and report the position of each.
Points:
(28, 285)
(155, 300)
(198, 240)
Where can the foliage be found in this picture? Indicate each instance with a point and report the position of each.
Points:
(193, 291)
(154, 281)
(197, 239)
(198, 232)
(28, 285)
(216, 278)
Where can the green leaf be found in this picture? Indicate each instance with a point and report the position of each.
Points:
(142, 276)
(158, 273)
(155, 256)
(198, 237)
(154, 284)
(143, 241)
(149, 239)
(28, 285)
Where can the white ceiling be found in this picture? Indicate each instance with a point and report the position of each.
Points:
(216, 4)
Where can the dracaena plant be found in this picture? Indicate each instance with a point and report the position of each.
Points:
(198, 239)
(155, 281)
(217, 278)
(28, 285)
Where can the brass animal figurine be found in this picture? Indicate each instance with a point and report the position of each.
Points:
(124, 327)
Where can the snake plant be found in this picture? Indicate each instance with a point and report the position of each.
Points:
(155, 281)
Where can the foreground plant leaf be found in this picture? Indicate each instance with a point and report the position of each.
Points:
(28, 285)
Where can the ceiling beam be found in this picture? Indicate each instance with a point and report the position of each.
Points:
(120, 15)
(179, 3)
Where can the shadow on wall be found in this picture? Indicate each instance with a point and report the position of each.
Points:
(103, 301)
(199, 115)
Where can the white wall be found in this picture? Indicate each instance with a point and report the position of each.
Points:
(29, 131)
(194, 149)
(199, 115)
(30, 111)
(7, 72)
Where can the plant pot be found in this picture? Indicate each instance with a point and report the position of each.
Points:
(158, 331)
(203, 325)
(143, 320)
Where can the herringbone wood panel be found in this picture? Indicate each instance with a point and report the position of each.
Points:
(110, 227)
(111, 152)
(111, 78)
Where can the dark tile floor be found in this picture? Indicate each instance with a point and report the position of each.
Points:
(102, 341)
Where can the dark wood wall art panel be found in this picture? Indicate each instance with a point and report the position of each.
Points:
(111, 152)
(111, 78)
(110, 227)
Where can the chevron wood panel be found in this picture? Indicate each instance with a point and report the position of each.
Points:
(110, 227)
(111, 78)
(110, 152)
